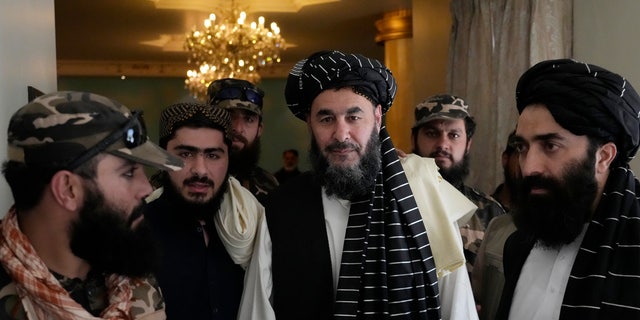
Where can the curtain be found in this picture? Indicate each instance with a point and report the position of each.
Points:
(492, 43)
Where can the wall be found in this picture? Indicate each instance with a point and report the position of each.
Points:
(28, 54)
(605, 35)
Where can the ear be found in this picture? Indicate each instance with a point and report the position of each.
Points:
(469, 145)
(260, 128)
(505, 159)
(67, 190)
(604, 156)
(377, 113)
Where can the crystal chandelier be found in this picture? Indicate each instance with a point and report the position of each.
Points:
(229, 47)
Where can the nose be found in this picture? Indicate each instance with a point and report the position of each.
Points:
(144, 188)
(442, 142)
(237, 125)
(343, 131)
(531, 163)
(198, 165)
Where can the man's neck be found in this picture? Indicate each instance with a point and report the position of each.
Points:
(50, 238)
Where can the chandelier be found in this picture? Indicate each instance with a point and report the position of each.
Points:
(229, 47)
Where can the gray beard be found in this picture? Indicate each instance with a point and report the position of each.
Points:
(348, 182)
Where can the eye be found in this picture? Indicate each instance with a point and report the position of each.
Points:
(131, 172)
(354, 118)
(519, 147)
(454, 136)
(326, 119)
(250, 119)
(186, 154)
(550, 147)
(211, 156)
(431, 133)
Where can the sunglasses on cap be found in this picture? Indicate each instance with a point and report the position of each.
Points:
(133, 134)
(243, 93)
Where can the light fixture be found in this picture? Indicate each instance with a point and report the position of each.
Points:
(229, 47)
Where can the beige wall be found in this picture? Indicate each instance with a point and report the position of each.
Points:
(605, 34)
(28, 57)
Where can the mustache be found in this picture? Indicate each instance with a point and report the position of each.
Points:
(197, 179)
(441, 153)
(531, 182)
(236, 136)
(341, 145)
(137, 212)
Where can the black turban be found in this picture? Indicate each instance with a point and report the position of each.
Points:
(334, 69)
(586, 100)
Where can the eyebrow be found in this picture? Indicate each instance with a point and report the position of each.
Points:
(194, 149)
(327, 112)
(540, 137)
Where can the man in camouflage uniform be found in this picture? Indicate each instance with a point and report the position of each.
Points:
(443, 130)
(243, 100)
(75, 244)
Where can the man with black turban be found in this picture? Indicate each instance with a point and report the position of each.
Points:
(350, 239)
(576, 253)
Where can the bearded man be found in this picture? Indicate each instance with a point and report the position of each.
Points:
(349, 238)
(576, 253)
(243, 100)
(203, 220)
(443, 130)
(75, 244)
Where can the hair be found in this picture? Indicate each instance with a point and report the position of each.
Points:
(294, 151)
(28, 182)
(470, 126)
(197, 121)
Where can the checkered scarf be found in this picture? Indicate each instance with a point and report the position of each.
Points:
(40, 291)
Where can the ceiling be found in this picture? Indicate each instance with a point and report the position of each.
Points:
(105, 37)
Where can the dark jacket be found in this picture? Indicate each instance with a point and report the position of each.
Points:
(301, 267)
(197, 281)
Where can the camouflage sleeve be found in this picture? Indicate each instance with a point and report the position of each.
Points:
(147, 302)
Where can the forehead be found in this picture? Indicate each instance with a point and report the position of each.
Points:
(198, 137)
(339, 101)
(445, 124)
(536, 120)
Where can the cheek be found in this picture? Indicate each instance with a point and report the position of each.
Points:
(424, 145)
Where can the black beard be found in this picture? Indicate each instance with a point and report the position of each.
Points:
(557, 217)
(350, 182)
(104, 238)
(242, 162)
(204, 211)
(456, 174)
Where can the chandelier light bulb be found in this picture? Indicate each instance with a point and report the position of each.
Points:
(228, 47)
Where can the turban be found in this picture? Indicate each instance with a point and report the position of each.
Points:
(334, 69)
(586, 100)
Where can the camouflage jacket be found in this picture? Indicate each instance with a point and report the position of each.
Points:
(91, 294)
(259, 181)
(473, 231)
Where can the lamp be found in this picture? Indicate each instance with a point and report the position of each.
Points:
(229, 47)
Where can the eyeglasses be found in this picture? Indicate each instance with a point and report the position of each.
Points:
(133, 134)
(244, 93)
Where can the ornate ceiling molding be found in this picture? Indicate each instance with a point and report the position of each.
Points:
(251, 5)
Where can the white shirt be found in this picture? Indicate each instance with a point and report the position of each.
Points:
(454, 286)
(543, 281)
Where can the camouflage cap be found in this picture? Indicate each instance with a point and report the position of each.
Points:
(443, 106)
(68, 128)
(174, 117)
(232, 93)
